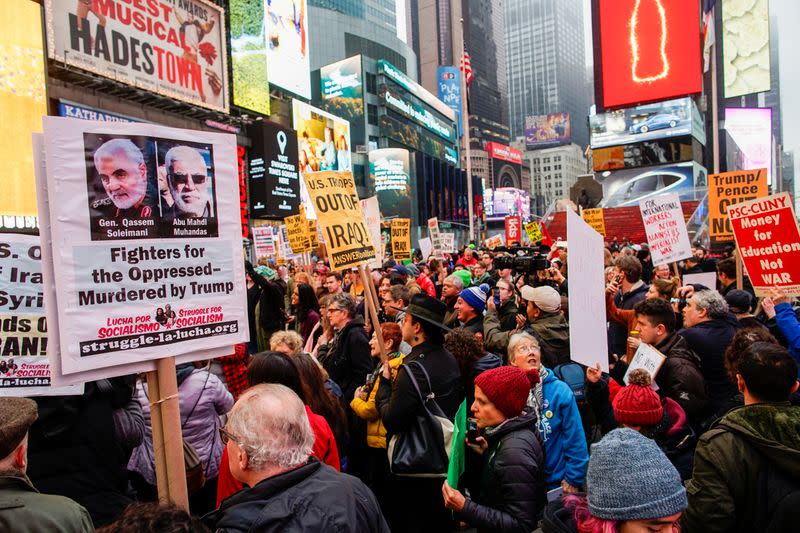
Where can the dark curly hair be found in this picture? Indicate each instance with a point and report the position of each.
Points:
(155, 518)
(467, 349)
(740, 342)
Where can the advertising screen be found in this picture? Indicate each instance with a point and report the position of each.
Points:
(342, 91)
(393, 73)
(174, 49)
(389, 170)
(506, 201)
(643, 123)
(418, 114)
(629, 187)
(506, 164)
(547, 130)
(449, 90)
(645, 51)
(644, 154)
(745, 47)
(274, 179)
(288, 60)
(22, 104)
(249, 55)
(751, 130)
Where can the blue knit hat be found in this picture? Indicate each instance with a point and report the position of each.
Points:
(630, 478)
(475, 297)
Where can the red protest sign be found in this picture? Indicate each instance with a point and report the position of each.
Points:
(513, 230)
(769, 242)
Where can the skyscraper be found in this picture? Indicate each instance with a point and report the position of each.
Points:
(546, 70)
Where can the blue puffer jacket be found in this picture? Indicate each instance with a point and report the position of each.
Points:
(790, 327)
(566, 455)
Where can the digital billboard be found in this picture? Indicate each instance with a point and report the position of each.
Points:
(506, 165)
(751, 130)
(745, 47)
(506, 201)
(646, 153)
(390, 173)
(173, 49)
(449, 90)
(645, 51)
(393, 73)
(629, 187)
(547, 130)
(323, 143)
(288, 60)
(643, 123)
(342, 91)
(418, 114)
(249, 55)
(22, 104)
(274, 179)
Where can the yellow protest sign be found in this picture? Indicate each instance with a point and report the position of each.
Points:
(731, 188)
(312, 233)
(401, 238)
(534, 231)
(297, 230)
(339, 215)
(594, 217)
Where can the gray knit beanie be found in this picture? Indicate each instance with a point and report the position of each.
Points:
(630, 478)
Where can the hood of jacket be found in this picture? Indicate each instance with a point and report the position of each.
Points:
(773, 429)
(676, 346)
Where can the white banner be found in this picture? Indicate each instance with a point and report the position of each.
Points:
(263, 241)
(448, 242)
(587, 306)
(666, 229)
(372, 216)
(146, 248)
(176, 49)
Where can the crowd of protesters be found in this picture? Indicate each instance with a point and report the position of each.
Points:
(308, 426)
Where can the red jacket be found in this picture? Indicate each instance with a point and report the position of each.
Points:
(324, 449)
(426, 285)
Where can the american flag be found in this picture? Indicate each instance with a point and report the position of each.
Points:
(466, 68)
(709, 31)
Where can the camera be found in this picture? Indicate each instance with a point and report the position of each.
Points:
(529, 263)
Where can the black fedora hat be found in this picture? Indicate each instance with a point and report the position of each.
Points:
(428, 309)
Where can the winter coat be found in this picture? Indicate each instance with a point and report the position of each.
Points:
(474, 326)
(617, 333)
(680, 377)
(709, 340)
(306, 327)
(203, 399)
(561, 429)
(368, 410)
(426, 285)
(731, 460)
(398, 400)
(507, 313)
(790, 328)
(313, 497)
(450, 319)
(512, 485)
(24, 510)
(550, 329)
(348, 360)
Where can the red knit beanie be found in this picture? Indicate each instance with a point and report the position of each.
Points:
(508, 387)
(638, 404)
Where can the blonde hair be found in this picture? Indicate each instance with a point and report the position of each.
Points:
(292, 339)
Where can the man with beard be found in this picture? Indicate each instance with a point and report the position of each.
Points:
(188, 182)
(120, 166)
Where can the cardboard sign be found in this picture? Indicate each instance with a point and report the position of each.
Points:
(534, 231)
(706, 279)
(513, 230)
(263, 241)
(769, 242)
(448, 242)
(372, 216)
(494, 241)
(436, 237)
(425, 247)
(340, 217)
(312, 233)
(648, 358)
(594, 217)
(665, 228)
(401, 238)
(728, 189)
(587, 307)
(297, 232)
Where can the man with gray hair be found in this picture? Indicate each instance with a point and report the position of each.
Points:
(22, 508)
(451, 288)
(709, 328)
(120, 166)
(269, 441)
(188, 182)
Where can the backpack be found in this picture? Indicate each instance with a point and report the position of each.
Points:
(574, 375)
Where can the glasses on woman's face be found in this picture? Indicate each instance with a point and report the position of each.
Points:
(225, 436)
(526, 349)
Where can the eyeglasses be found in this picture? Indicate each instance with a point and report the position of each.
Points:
(526, 349)
(183, 179)
(225, 436)
(332, 309)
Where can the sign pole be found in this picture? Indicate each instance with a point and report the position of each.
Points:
(372, 311)
(172, 450)
(739, 269)
(156, 423)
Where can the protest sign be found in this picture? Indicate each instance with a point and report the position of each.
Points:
(648, 358)
(313, 234)
(425, 247)
(665, 228)
(334, 197)
(263, 241)
(448, 242)
(24, 366)
(594, 217)
(401, 238)
(587, 307)
(138, 278)
(494, 241)
(728, 189)
(436, 237)
(372, 216)
(513, 230)
(706, 279)
(297, 232)
(534, 231)
(769, 242)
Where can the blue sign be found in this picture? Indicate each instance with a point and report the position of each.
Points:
(450, 90)
(67, 109)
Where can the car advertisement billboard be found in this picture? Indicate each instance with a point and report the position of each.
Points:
(342, 91)
(628, 187)
(547, 130)
(645, 51)
(642, 123)
(390, 173)
(751, 131)
(745, 47)
(506, 201)
(288, 60)
(249, 55)
(173, 49)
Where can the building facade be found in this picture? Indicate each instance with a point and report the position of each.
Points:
(553, 172)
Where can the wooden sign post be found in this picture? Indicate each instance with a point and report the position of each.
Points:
(372, 307)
